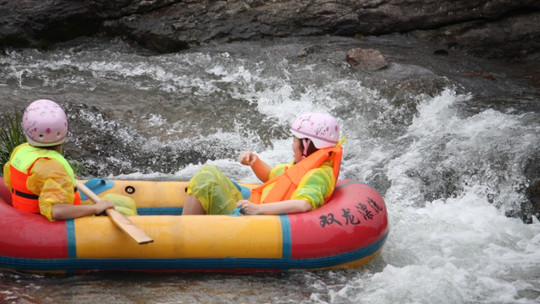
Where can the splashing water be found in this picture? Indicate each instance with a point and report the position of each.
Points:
(451, 167)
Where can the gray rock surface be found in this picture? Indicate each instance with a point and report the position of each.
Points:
(488, 28)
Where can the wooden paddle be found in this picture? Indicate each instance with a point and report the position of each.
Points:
(118, 218)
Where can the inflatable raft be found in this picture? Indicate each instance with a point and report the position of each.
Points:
(348, 231)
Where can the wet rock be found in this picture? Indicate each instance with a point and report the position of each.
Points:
(366, 59)
(308, 50)
(532, 172)
(496, 28)
(510, 36)
(481, 75)
(533, 194)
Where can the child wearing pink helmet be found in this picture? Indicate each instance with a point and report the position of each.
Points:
(39, 177)
(300, 186)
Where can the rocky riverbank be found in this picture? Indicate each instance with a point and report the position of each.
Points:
(495, 28)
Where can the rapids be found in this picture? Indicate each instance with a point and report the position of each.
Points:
(450, 141)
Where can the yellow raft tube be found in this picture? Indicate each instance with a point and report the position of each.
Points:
(348, 231)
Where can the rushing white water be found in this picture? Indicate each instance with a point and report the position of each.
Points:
(450, 167)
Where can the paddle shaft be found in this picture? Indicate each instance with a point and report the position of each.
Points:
(118, 219)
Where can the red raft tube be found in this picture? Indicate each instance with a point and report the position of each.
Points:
(347, 232)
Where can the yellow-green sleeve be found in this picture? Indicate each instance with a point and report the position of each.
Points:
(278, 170)
(317, 185)
(49, 180)
(7, 176)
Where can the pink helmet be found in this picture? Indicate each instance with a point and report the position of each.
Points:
(44, 123)
(321, 128)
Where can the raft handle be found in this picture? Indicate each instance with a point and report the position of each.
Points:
(130, 189)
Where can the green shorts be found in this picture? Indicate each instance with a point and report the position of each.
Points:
(215, 191)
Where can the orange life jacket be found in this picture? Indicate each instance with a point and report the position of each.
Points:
(21, 162)
(285, 184)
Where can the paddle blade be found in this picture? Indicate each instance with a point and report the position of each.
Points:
(128, 227)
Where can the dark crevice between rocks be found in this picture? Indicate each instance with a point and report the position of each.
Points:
(15, 41)
(519, 12)
(162, 44)
(69, 28)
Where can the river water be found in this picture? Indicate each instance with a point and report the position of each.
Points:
(450, 141)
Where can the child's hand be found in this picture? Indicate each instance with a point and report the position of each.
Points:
(102, 205)
(247, 158)
(248, 208)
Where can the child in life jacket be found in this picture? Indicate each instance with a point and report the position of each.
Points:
(303, 185)
(39, 177)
